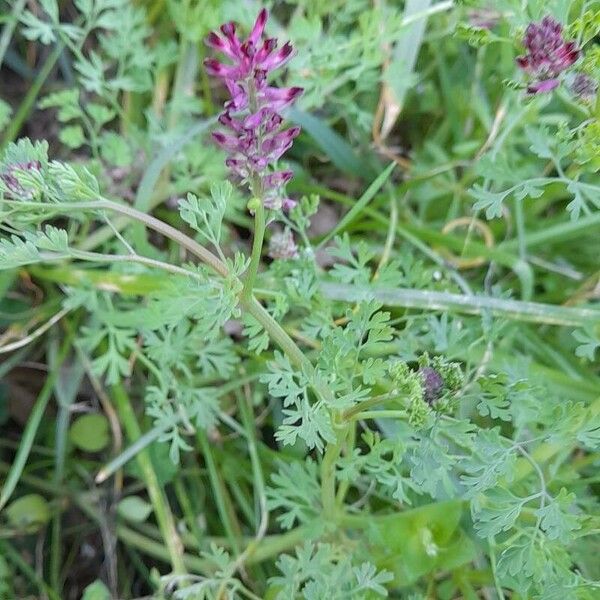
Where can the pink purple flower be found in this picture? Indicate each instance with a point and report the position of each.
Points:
(11, 181)
(255, 140)
(584, 87)
(282, 245)
(548, 54)
(433, 384)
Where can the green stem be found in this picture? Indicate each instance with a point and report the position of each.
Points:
(250, 304)
(521, 235)
(351, 413)
(257, 244)
(380, 414)
(345, 484)
(328, 493)
(188, 511)
(9, 28)
(276, 332)
(166, 521)
(247, 415)
(165, 229)
(224, 504)
(62, 426)
(157, 550)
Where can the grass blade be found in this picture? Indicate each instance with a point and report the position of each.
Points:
(334, 145)
(361, 203)
(35, 418)
(533, 312)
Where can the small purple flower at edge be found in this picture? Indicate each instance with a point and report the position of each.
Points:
(255, 140)
(11, 181)
(433, 384)
(548, 54)
(584, 87)
(282, 246)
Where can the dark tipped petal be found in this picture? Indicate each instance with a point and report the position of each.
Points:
(239, 96)
(216, 42)
(227, 120)
(237, 166)
(256, 119)
(226, 46)
(228, 30)
(523, 62)
(542, 87)
(259, 27)
(570, 53)
(213, 40)
(216, 69)
(280, 97)
(277, 59)
(276, 145)
(276, 179)
(268, 46)
(273, 123)
(248, 50)
(227, 142)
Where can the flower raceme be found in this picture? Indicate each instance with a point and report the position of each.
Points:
(548, 54)
(255, 139)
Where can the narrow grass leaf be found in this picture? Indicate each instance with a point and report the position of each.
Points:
(334, 145)
(361, 203)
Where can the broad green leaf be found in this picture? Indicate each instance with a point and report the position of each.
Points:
(413, 543)
(90, 432)
(28, 511)
(96, 591)
(134, 508)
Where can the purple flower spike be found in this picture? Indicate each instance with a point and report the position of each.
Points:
(255, 140)
(548, 54)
